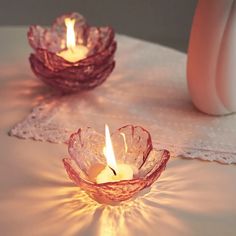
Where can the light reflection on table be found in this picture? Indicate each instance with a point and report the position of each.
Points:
(56, 203)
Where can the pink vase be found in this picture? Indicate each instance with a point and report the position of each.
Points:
(211, 68)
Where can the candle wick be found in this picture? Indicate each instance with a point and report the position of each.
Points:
(71, 49)
(114, 172)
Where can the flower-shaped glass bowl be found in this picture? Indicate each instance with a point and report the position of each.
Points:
(132, 145)
(69, 76)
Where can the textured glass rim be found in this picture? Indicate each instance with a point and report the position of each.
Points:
(82, 63)
(161, 166)
(158, 167)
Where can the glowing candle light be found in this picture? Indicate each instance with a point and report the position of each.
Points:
(74, 52)
(113, 172)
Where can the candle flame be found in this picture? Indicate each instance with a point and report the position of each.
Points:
(108, 150)
(70, 33)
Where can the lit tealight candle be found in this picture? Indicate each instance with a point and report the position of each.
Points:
(113, 172)
(122, 172)
(74, 52)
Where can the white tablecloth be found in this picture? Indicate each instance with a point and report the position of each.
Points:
(148, 87)
(191, 197)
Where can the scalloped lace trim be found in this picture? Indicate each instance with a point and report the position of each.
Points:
(52, 122)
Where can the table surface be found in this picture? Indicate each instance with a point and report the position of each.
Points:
(191, 197)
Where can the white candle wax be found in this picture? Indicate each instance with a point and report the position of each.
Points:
(123, 172)
(74, 54)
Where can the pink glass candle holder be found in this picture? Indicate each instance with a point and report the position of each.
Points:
(132, 146)
(72, 76)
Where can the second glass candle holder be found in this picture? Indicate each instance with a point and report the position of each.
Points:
(71, 55)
